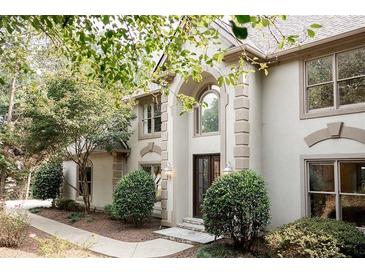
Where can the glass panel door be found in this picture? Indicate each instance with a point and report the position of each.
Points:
(206, 170)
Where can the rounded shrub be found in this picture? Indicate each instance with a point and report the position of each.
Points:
(47, 181)
(237, 205)
(134, 197)
(317, 238)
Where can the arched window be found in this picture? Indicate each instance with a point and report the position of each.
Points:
(207, 112)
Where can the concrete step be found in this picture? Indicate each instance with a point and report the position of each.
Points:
(185, 235)
(194, 227)
(194, 221)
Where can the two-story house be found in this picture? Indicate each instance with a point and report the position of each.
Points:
(302, 127)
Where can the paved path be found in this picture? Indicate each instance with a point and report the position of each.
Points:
(98, 243)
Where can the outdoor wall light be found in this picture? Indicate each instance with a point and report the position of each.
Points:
(228, 169)
(168, 170)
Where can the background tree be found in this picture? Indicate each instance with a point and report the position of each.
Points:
(74, 115)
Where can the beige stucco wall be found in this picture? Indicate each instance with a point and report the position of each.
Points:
(102, 188)
(136, 145)
(283, 143)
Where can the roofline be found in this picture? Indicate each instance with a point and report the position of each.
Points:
(234, 53)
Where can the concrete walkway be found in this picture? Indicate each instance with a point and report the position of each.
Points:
(98, 243)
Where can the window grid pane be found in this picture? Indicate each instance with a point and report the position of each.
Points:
(350, 190)
(347, 75)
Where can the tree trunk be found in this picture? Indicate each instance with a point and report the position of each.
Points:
(2, 186)
(11, 100)
(28, 185)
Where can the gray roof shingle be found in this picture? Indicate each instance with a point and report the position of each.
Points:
(332, 25)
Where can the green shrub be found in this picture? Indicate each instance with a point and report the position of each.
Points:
(216, 250)
(13, 229)
(47, 181)
(317, 238)
(350, 240)
(110, 211)
(134, 197)
(68, 205)
(75, 217)
(237, 205)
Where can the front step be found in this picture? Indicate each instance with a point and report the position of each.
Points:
(194, 221)
(194, 227)
(185, 235)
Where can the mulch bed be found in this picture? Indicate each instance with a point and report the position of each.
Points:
(100, 223)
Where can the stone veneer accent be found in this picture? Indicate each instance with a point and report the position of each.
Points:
(164, 157)
(241, 150)
(118, 162)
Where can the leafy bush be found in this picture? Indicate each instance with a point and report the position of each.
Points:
(13, 229)
(216, 250)
(110, 211)
(134, 197)
(47, 181)
(68, 205)
(75, 217)
(237, 205)
(317, 238)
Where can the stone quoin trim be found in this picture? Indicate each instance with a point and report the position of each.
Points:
(118, 167)
(241, 150)
(151, 147)
(334, 131)
(164, 157)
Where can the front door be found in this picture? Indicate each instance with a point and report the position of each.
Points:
(206, 170)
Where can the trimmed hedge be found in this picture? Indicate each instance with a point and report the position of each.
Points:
(134, 197)
(47, 181)
(317, 238)
(237, 205)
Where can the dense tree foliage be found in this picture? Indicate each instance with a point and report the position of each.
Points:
(74, 116)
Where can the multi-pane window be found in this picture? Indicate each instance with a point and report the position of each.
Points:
(336, 189)
(335, 80)
(207, 113)
(151, 121)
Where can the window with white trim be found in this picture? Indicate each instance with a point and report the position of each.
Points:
(335, 81)
(151, 117)
(207, 112)
(336, 189)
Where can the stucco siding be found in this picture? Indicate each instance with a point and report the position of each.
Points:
(283, 140)
(102, 179)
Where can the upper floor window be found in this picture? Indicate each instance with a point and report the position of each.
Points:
(150, 118)
(335, 82)
(207, 113)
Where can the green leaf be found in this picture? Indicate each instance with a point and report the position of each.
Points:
(2, 82)
(239, 32)
(311, 33)
(315, 26)
(243, 19)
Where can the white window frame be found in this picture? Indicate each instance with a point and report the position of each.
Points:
(144, 103)
(336, 109)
